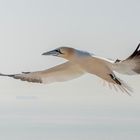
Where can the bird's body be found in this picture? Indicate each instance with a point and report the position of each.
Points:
(79, 63)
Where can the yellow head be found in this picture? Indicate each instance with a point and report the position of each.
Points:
(64, 52)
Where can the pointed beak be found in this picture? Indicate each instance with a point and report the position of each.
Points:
(53, 52)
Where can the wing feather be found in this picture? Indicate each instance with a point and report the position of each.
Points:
(117, 83)
(103, 69)
(130, 65)
(63, 72)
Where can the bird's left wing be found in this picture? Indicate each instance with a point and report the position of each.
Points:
(63, 72)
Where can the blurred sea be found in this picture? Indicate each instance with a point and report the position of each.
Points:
(69, 118)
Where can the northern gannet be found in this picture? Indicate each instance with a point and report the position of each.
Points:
(79, 63)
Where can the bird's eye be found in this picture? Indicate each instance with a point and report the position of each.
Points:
(59, 51)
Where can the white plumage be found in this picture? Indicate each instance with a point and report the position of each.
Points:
(79, 63)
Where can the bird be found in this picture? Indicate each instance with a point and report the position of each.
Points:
(79, 63)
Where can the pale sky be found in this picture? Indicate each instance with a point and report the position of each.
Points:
(80, 109)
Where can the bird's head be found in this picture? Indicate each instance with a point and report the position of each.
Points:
(64, 52)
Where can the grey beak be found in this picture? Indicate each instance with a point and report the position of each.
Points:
(53, 52)
(46, 53)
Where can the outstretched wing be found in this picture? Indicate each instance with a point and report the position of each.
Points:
(129, 66)
(63, 72)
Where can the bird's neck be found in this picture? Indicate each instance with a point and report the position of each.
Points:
(78, 55)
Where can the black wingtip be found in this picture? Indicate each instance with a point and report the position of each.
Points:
(26, 72)
(115, 79)
(137, 49)
(9, 75)
(139, 45)
(135, 53)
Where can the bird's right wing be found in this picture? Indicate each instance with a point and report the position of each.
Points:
(63, 72)
(131, 65)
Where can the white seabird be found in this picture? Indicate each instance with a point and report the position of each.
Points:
(79, 63)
